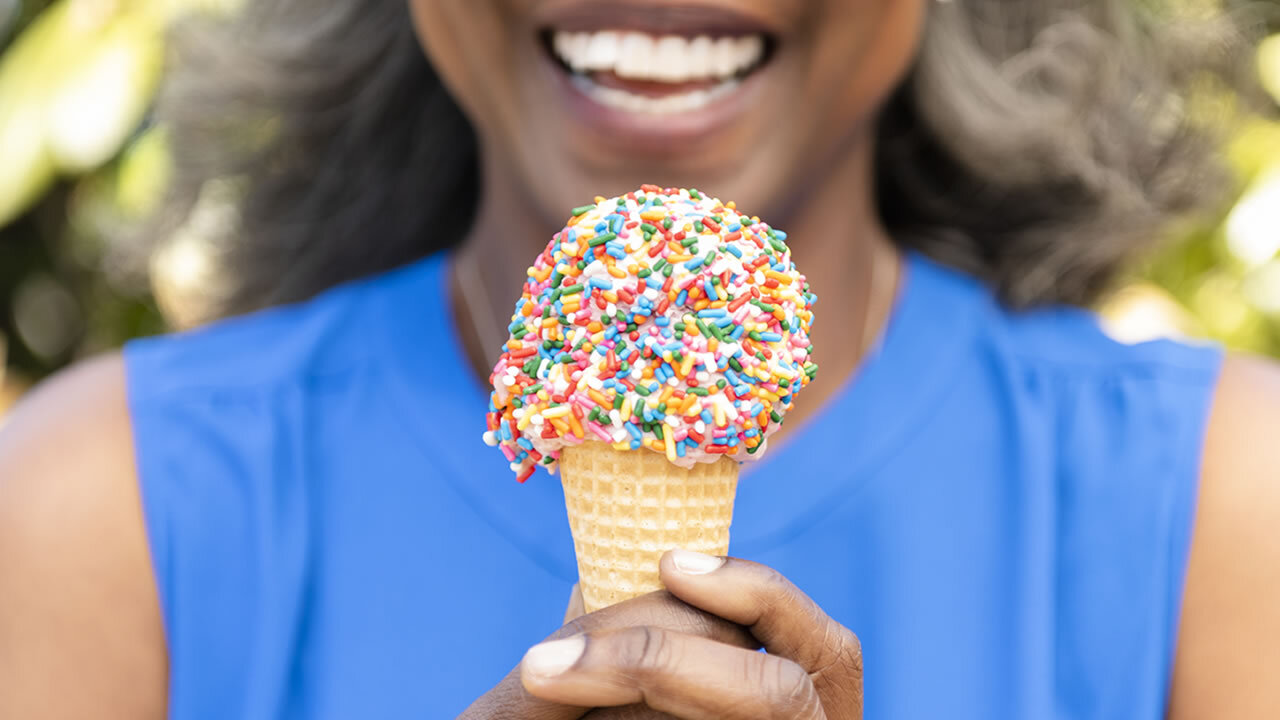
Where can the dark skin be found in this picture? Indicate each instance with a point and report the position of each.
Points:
(78, 606)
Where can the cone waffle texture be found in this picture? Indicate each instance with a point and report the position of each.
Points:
(628, 507)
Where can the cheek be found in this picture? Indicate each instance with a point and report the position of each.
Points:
(861, 58)
(468, 45)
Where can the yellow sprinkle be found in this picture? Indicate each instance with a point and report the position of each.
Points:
(671, 444)
(626, 408)
(555, 412)
(653, 214)
(523, 423)
(718, 412)
(600, 198)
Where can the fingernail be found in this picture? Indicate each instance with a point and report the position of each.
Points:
(695, 563)
(553, 658)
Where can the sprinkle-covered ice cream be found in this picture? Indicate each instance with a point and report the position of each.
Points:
(661, 320)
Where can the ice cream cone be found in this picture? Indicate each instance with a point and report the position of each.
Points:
(627, 507)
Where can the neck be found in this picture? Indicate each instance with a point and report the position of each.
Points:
(835, 236)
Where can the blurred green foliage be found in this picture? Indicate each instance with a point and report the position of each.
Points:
(81, 165)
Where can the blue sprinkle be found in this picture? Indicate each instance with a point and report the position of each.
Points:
(601, 283)
(506, 431)
(706, 417)
(732, 249)
(682, 297)
(631, 428)
(654, 281)
(752, 432)
(757, 409)
(609, 383)
(735, 227)
(742, 389)
(711, 290)
(680, 448)
(662, 322)
(617, 252)
(770, 337)
(694, 264)
(732, 377)
(635, 444)
(713, 312)
(524, 443)
(737, 335)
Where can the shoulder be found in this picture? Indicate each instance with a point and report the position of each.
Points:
(326, 333)
(78, 606)
(1227, 654)
(1058, 339)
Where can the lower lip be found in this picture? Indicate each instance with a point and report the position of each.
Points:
(654, 132)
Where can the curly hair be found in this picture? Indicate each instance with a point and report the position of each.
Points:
(1035, 144)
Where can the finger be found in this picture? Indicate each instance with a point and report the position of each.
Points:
(510, 699)
(576, 608)
(663, 610)
(787, 621)
(628, 712)
(689, 677)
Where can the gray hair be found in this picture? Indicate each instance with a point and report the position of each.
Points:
(1036, 144)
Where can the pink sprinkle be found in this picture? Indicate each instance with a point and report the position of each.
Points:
(599, 431)
(506, 450)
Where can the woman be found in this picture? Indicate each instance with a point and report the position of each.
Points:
(289, 513)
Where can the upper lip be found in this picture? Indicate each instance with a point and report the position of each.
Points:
(655, 18)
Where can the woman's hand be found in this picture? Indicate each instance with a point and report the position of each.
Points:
(689, 653)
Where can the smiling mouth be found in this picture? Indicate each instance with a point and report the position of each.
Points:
(658, 71)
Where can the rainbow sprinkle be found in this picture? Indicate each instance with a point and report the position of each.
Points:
(660, 319)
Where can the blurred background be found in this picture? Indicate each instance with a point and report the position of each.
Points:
(82, 164)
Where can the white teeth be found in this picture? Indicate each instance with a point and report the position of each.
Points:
(602, 51)
(665, 105)
(636, 57)
(669, 58)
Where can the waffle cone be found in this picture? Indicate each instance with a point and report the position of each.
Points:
(628, 507)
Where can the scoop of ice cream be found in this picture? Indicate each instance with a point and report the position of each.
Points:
(661, 320)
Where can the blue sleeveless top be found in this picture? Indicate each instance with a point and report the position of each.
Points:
(999, 504)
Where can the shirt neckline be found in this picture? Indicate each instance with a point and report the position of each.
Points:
(793, 486)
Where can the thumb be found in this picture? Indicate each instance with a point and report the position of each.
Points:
(576, 609)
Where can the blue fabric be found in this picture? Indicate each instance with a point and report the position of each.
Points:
(999, 504)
